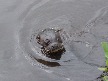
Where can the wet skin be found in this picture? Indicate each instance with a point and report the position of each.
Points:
(51, 42)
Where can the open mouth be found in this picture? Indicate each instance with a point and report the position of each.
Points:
(56, 50)
(53, 49)
(54, 53)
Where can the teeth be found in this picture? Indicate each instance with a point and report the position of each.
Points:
(56, 50)
(53, 51)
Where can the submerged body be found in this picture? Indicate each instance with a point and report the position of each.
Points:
(51, 42)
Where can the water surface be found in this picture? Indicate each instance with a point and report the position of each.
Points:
(18, 19)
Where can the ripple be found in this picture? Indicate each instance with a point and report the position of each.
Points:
(28, 39)
(83, 51)
(98, 24)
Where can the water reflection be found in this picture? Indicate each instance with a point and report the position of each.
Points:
(48, 63)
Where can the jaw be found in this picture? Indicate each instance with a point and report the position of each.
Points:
(57, 50)
(54, 48)
(54, 54)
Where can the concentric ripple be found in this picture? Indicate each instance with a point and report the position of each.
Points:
(29, 44)
(83, 49)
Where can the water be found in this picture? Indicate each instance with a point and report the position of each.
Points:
(21, 19)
